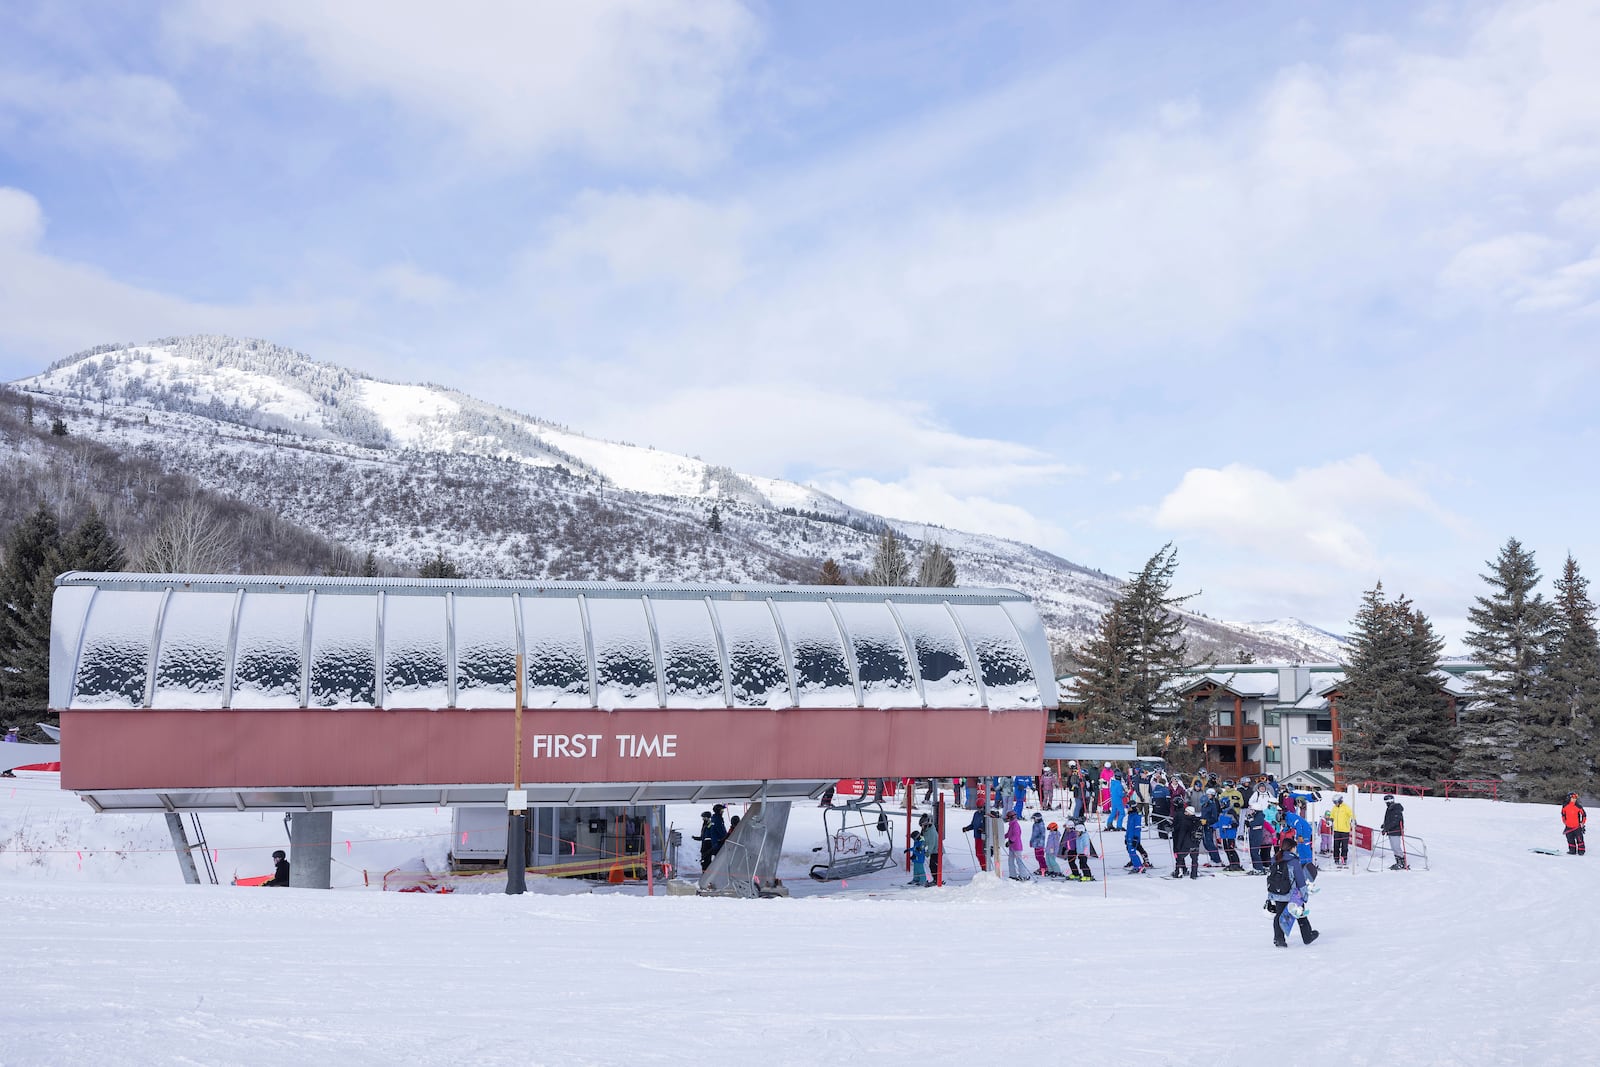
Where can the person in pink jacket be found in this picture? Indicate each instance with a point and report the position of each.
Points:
(1105, 787)
(1014, 865)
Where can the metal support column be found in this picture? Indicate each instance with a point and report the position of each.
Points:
(311, 849)
(180, 845)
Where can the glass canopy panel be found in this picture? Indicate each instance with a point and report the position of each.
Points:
(756, 672)
(947, 679)
(344, 651)
(486, 652)
(886, 680)
(1007, 674)
(416, 671)
(267, 651)
(691, 664)
(557, 666)
(192, 662)
(624, 662)
(114, 661)
(821, 671)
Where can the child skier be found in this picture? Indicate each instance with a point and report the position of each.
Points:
(1228, 831)
(1014, 865)
(919, 859)
(978, 827)
(1078, 851)
(1286, 891)
(1138, 858)
(1052, 846)
(1036, 841)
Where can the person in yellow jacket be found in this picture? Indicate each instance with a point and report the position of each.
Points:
(1343, 817)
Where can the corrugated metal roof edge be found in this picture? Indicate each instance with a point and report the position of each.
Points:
(663, 590)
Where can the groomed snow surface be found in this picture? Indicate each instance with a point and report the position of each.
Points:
(1490, 957)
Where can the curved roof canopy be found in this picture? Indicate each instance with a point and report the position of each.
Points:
(213, 642)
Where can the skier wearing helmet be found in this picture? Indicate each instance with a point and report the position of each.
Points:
(1573, 818)
(1186, 842)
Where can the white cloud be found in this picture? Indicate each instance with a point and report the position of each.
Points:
(923, 496)
(134, 114)
(654, 239)
(622, 80)
(1325, 514)
(21, 220)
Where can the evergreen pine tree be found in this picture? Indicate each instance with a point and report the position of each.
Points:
(1395, 722)
(369, 566)
(1130, 665)
(889, 566)
(29, 692)
(830, 574)
(714, 522)
(1510, 635)
(1560, 743)
(439, 567)
(93, 547)
(937, 569)
(31, 550)
(58, 427)
(27, 411)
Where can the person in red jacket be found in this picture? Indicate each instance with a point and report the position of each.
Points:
(1573, 818)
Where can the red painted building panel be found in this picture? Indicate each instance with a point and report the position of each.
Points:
(243, 749)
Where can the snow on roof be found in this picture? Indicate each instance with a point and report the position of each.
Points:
(216, 641)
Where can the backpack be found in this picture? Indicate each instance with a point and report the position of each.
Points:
(1279, 883)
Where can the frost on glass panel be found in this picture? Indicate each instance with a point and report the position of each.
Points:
(880, 656)
(625, 669)
(947, 680)
(192, 662)
(821, 671)
(1007, 674)
(691, 665)
(755, 662)
(344, 651)
(486, 652)
(266, 657)
(114, 663)
(416, 673)
(557, 667)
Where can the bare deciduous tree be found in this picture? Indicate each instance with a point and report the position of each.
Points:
(191, 541)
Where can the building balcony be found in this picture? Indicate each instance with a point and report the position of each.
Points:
(1235, 769)
(1249, 734)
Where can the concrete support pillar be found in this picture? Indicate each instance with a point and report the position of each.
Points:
(180, 845)
(311, 849)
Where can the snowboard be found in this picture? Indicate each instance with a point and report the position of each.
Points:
(1545, 851)
(1296, 910)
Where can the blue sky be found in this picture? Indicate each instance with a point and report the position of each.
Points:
(1312, 290)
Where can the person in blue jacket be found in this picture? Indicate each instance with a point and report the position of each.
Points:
(1138, 858)
(1293, 820)
(1020, 785)
(1160, 805)
(1119, 806)
(717, 832)
(1210, 811)
(979, 828)
(1255, 821)
(1228, 831)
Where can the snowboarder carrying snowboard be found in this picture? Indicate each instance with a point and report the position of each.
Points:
(1287, 894)
(1573, 818)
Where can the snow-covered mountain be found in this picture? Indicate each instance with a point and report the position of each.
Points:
(1329, 647)
(410, 471)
